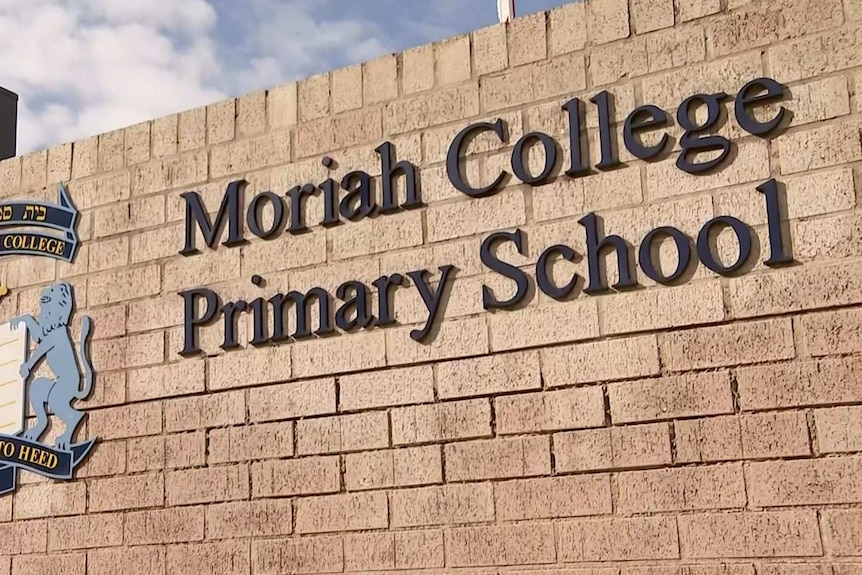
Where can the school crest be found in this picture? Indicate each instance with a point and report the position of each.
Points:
(27, 342)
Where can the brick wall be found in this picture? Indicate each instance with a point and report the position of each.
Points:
(710, 428)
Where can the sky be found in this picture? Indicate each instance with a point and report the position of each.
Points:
(83, 67)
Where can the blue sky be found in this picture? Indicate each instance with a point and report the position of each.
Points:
(83, 67)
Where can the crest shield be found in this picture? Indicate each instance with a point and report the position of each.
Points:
(13, 391)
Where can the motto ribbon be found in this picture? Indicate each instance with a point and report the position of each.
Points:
(60, 216)
(16, 452)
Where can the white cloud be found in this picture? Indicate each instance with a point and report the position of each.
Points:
(83, 67)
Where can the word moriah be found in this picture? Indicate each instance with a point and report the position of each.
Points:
(360, 200)
(353, 308)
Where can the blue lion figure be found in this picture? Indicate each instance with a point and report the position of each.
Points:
(54, 344)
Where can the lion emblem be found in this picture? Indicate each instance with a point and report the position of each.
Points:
(54, 344)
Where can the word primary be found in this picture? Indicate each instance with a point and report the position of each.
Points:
(350, 309)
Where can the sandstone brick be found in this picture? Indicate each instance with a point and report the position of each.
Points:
(683, 489)
(162, 526)
(490, 50)
(694, 9)
(824, 382)
(214, 410)
(129, 216)
(132, 351)
(553, 497)
(281, 106)
(761, 24)
(783, 434)
(253, 442)
(50, 500)
(248, 519)
(182, 378)
(72, 564)
(192, 129)
(251, 114)
(344, 433)
(305, 555)
(378, 235)
(126, 421)
(85, 532)
(165, 136)
(443, 505)
(417, 69)
(123, 285)
(708, 440)
(351, 512)
(528, 327)
(426, 110)
(380, 80)
(806, 288)
(600, 361)
(338, 355)
(190, 272)
(369, 470)
(836, 429)
(662, 308)
(735, 344)
(828, 238)
(367, 551)
(292, 400)
(836, 144)
(313, 97)
(417, 465)
(524, 544)
(607, 20)
(676, 47)
(616, 447)
(24, 537)
(59, 164)
(843, 531)
(185, 450)
(550, 411)
(453, 60)
(618, 539)
(342, 131)
(614, 62)
(456, 338)
(250, 154)
(85, 156)
(498, 458)
(441, 422)
(813, 482)
(768, 534)
(305, 476)
(472, 217)
(567, 28)
(126, 561)
(387, 388)
(486, 376)
(127, 492)
(146, 454)
(108, 459)
(527, 39)
(253, 367)
(671, 397)
(109, 254)
(137, 143)
(175, 172)
(651, 15)
(284, 254)
(207, 485)
(223, 558)
(111, 151)
(419, 549)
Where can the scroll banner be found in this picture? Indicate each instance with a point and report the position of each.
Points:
(16, 453)
(60, 216)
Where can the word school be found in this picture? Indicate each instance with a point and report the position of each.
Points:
(349, 309)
